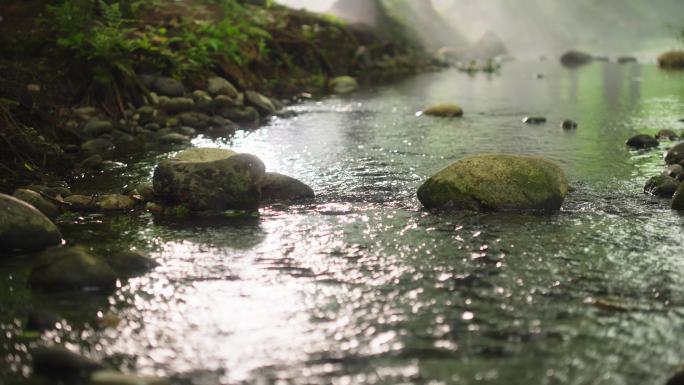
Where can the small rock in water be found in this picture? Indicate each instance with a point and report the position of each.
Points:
(445, 110)
(57, 362)
(675, 154)
(534, 120)
(71, 268)
(627, 59)
(569, 124)
(343, 85)
(115, 202)
(663, 186)
(97, 146)
(278, 187)
(42, 320)
(130, 263)
(678, 198)
(260, 102)
(667, 135)
(642, 141)
(94, 162)
(245, 115)
(23, 227)
(81, 202)
(576, 58)
(36, 200)
(676, 171)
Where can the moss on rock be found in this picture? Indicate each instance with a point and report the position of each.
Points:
(445, 110)
(497, 182)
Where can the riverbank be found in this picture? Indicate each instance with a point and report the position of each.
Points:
(137, 76)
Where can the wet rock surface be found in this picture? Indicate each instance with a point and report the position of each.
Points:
(496, 182)
(23, 227)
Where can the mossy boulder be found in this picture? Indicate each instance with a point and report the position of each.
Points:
(23, 227)
(663, 186)
(343, 85)
(36, 200)
(497, 182)
(232, 183)
(672, 60)
(277, 187)
(203, 154)
(71, 268)
(445, 110)
(220, 86)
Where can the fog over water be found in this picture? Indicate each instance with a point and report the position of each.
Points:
(610, 27)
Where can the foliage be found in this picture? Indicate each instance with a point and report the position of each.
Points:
(115, 42)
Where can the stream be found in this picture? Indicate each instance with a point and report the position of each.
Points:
(363, 286)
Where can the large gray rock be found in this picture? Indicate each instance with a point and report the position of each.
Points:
(215, 185)
(23, 227)
(675, 154)
(220, 86)
(244, 115)
(678, 198)
(497, 182)
(203, 155)
(71, 268)
(129, 263)
(260, 102)
(277, 187)
(168, 87)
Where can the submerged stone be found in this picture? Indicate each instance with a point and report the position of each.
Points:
(71, 268)
(576, 58)
(130, 263)
(497, 182)
(642, 141)
(278, 187)
(444, 110)
(343, 85)
(663, 186)
(568, 124)
(23, 227)
(534, 120)
(57, 362)
(675, 154)
(666, 134)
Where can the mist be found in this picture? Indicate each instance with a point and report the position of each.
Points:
(531, 27)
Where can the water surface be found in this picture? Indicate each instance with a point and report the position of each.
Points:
(363, 286)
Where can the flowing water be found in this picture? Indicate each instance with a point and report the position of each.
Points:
(363, 286)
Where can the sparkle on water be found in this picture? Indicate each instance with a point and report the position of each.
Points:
(362, 286)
